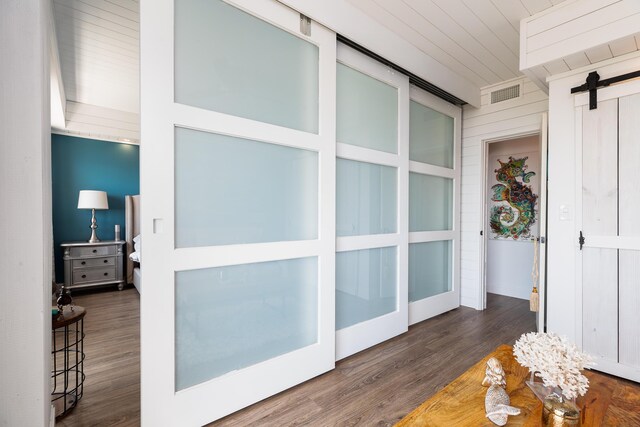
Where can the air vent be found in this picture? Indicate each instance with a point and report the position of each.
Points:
(505, 94)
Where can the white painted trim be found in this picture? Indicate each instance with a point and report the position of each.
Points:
(543, 209)
(431, 236)
(353, 152)
(426, 169)
(345, 19)
(225, 124)
(433, 306)
(356, 243)
(219, 256)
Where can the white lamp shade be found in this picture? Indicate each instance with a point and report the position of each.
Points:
(91, 199)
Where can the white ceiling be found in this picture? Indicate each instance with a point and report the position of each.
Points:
(98, 44)
(478, 39)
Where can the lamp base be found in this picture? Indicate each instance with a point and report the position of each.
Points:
(94, 225)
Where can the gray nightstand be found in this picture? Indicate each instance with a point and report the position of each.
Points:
(93, 264)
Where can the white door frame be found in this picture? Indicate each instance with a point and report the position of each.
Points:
(531, 130)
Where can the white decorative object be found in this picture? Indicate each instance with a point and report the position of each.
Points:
(555, 360)
(496, 402)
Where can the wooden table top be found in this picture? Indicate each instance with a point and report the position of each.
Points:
(71, 314)
(610, 401)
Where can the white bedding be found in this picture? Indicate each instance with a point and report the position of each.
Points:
(137, 279)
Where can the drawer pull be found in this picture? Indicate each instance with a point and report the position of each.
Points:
(84, 276)
(106, 261)
(94, 251)
(106, 274)
(83, 262)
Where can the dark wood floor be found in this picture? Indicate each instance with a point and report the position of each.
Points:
(375, 387)
(112, 347)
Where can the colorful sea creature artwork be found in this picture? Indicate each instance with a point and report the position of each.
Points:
(514, 211)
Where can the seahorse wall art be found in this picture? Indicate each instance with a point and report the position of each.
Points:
(514, 213)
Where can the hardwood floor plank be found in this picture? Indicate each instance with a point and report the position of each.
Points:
(378, 386)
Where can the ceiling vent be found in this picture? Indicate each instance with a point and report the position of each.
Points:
(505, 94)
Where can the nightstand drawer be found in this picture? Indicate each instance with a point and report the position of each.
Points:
(93, 275)
(94, 262)
(81, 252)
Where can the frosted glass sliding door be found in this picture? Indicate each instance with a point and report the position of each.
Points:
(371, 219)
(238, 195)
(434, 188)
(228, 318)
(270, 191)
(365, 285)
(367, 198)
(253, 69)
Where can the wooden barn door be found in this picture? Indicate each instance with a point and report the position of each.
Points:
(608, 236)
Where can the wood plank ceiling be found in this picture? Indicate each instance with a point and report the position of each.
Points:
(98, 42)
(479, 39)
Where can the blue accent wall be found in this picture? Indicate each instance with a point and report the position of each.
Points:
(87, 164)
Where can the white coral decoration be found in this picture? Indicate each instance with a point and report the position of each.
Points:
(555, 360)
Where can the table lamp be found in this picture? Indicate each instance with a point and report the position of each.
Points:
(90, 199)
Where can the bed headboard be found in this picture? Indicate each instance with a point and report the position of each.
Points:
(132, 228)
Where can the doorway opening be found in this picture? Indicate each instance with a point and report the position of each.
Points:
(513, 208)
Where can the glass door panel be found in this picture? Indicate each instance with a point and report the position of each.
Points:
(430, 203)
(430, 269)
(366, 283)
(229, 61)
(366, 198)
(367, 109)
(431, 136)
(228, 318)
(232, 190)
(371, 182)
(434, 213)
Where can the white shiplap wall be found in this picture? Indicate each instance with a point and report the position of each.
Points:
(25, 225)
(512, 118)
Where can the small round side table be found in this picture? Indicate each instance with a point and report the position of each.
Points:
(67, 353)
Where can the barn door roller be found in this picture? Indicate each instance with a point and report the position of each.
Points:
(593, 83)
